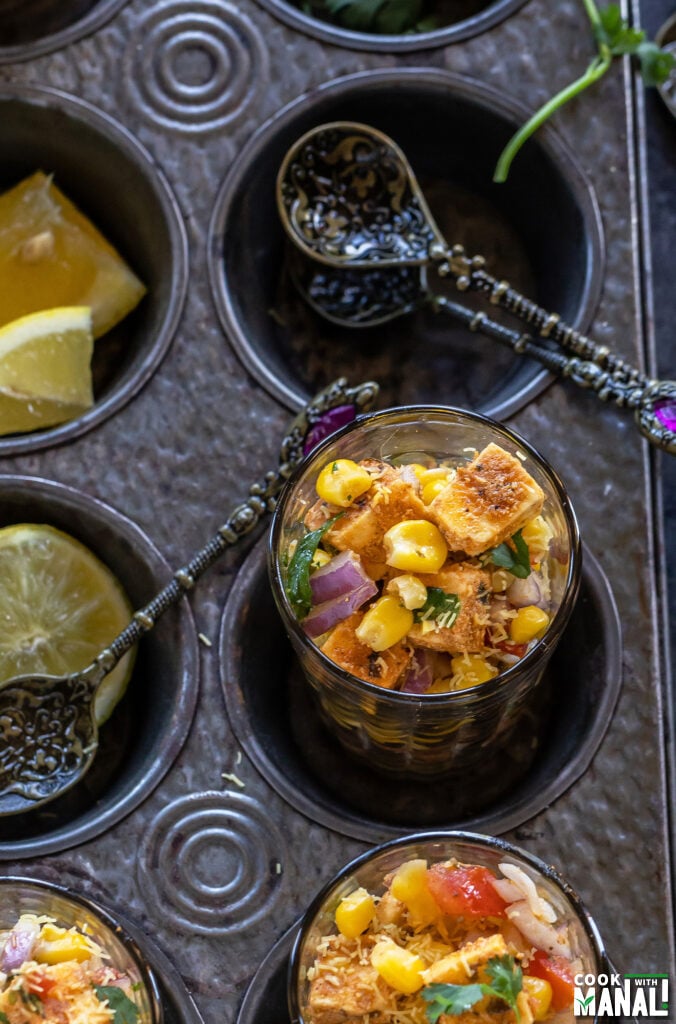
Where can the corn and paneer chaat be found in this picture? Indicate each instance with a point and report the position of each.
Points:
(452, 943)
(424, 577)
(55, 975)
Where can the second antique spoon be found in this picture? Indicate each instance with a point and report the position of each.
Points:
(366, 298)
(48, 732)
(348, 199)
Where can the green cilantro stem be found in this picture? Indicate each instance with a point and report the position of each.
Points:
(614, 38)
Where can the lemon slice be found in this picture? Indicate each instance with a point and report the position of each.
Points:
(59, 607)
(52, 255)
(45, 375)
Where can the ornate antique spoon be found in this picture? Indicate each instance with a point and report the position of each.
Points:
(48, 733)
(364, 298)
(348, 198)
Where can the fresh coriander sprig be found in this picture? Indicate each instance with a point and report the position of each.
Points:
(440, 607)
(513, 556)
(388, 17)
(614, 38)
(124, 1010)
(507, 981)
(298, 577)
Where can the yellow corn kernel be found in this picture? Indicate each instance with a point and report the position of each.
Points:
(417, 468)
(409, 885)
(384, 624)
(437, 473)
(341, 481)
(539, 994)
(431, 490)
(537, 535)
(319, 559)
(441, 685)
(355, 913)
(470, 670)
(411, 591)
(57, 945)
(399, 968)
(415, 545)
(528, 623)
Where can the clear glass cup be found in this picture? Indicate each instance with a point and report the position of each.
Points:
(493, 729)
(370, 869)
(31, 896)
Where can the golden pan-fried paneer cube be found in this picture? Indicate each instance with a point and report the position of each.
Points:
(467, 634)
(486, 502)
(358, 990)
(363, 524)
(383, 668)
(457, 968)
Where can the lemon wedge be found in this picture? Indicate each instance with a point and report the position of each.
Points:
(45, 375)
(59, 607)
(51, 255)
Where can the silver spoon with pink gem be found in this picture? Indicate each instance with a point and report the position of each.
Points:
(349, 200)
(48, 731)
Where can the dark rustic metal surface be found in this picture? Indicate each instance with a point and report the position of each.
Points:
(214, 870)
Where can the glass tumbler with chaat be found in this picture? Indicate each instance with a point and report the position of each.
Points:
(443, 928)
(65, 960)
(425, 562)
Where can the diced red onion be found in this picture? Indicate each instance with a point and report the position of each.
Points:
(338, 577)
(420, 675)
(19, 945)
(411, 477)
(327, 424)
(526, 592)
(558, 550)
(327, 615)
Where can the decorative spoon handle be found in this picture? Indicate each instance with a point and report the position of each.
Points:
(613, 379)
(585, 373)
(241, 521)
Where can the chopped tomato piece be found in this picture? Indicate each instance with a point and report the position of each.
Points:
(465, 891)
(509, 647)
(38, 983)
(555, 970)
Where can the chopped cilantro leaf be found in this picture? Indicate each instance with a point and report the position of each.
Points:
(125, 1012)
(451, 999)
(298, 577)
(507, 978)
(4, 1019)
(515, 559)
(440, 607)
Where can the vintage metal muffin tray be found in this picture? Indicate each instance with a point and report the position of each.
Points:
(209, 820)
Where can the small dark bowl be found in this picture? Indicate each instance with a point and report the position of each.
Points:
(541, 230)
(32, 896)
(30, 28)
(458, 19)
(103, 169)
(145, 733)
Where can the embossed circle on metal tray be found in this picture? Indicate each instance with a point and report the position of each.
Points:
(210, 861)
(89, 153)
(140, 741)
(463, 26)
(54, 31)
(194, 65)
(270, 711)
(542, 230)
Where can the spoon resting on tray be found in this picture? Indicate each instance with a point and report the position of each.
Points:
(48, 732)
(348, 199)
